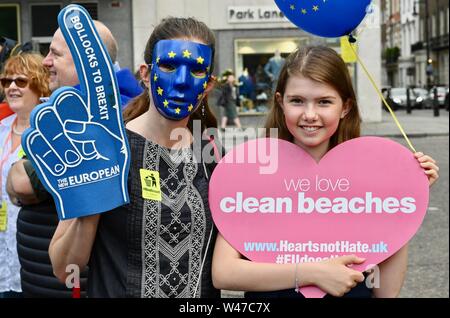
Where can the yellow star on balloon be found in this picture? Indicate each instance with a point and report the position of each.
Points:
(160, 91)
(190, 108)
(316, 8)
(200, 60)
(205, 85)
(158, 59)
(172, 54)
(199, 96)
(187, 54)
(177, 111)
(304, 11)
(166, 103)
(292, 7)
(155, 78)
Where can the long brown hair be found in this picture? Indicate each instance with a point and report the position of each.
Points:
(324, 65)
(172, 28)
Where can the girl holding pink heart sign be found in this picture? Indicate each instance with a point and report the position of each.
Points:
(314, 108)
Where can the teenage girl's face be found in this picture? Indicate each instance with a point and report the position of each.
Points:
(312, 112)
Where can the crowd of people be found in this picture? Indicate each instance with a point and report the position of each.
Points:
(169, 247)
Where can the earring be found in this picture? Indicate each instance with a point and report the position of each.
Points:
(203, 110)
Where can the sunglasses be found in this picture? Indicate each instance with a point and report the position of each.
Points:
(20, 82)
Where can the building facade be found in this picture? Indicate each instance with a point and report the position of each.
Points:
(392, 42)
(36, 20)
(409, 28)
(248, 33)
(415, 43)
(437, 17)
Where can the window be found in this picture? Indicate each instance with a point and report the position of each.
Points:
(433, 26)
(91, 7)
(44, 23)
(448, 22)
(44, 20)
(10, 21)
(442, 22)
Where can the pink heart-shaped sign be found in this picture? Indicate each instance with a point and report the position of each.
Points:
(273, 203)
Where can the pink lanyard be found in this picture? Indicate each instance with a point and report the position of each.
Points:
(5, 154)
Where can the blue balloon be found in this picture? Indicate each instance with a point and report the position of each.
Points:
(327, 18)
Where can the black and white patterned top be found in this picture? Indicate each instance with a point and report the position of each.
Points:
(152, 248)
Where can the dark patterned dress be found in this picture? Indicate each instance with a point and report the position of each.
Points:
(152, 248)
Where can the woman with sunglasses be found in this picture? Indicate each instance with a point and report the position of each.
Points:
(24, 80)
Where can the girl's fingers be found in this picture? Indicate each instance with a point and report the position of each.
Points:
(429, 166)
(426, 159)
(431, 173)
(432, 176)
(421, 157)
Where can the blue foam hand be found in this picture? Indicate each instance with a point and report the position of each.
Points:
(77, 141)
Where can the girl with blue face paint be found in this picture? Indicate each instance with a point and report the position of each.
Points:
(177, 75)
(159, 245)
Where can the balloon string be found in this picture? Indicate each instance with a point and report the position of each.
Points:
(382, 98)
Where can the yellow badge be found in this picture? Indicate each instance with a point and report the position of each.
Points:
(3, 216)
(21, 153)
(151, 189)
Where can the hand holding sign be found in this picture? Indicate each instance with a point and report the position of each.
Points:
(76, 140)
(367, 196)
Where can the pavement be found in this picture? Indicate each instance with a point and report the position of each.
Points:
(428, 260)
(420, 123)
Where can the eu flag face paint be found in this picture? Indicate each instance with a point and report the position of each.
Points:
(179, 76)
